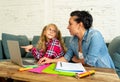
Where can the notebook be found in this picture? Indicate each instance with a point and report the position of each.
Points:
(39, 68)
(15, 55)
(51, 70)
(70, 67)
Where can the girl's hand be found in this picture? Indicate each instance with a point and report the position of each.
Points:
(27, 48)
(44, 60)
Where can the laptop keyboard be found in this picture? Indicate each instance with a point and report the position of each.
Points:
(27, 63)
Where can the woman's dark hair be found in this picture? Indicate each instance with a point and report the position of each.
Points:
(84, 17)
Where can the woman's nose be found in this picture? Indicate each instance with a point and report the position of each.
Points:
(68, 27)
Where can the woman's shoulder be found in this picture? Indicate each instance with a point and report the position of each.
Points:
(74, 39)
(94, 32)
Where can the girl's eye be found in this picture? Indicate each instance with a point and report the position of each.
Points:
(49, 29)
(52, 30)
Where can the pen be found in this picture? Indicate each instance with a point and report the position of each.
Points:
(61, 64)
(88, 73)
(77, 70)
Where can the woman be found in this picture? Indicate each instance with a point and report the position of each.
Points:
(87, 45)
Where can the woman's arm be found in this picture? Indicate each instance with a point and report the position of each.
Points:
(96, 43)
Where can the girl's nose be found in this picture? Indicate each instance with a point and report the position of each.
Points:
(51, 31)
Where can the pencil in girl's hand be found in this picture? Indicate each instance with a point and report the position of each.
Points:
(88, 73)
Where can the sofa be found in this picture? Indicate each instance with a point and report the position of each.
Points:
(23, 41)
(114, 50)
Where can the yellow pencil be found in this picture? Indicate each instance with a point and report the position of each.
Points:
(88, 73)
(24, 69)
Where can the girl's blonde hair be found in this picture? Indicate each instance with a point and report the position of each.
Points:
(42, 40)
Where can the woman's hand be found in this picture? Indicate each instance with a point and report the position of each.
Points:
(75, 59)
(27, 48)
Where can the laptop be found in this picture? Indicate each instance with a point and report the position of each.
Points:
(15, 55)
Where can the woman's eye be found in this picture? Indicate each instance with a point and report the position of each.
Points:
(70, 24)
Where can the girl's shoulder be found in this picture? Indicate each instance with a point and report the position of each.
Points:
(55, 40)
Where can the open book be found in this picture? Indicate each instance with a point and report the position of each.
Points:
(70, 67)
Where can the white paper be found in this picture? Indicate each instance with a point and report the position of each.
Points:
(70, 67)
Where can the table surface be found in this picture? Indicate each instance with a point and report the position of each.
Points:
(10, 70)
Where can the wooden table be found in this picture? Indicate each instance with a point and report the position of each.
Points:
(10, 70)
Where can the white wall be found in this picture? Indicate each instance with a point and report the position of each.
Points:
(24, 17)
(28, 17)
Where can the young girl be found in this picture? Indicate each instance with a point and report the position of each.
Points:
(50, 44)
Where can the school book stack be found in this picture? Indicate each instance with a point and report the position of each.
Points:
(60, 68)
(70, 67)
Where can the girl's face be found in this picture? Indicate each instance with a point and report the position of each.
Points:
(73, 26)
(50, 32)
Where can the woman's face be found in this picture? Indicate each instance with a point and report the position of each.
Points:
(50, 32)
(73, 26)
